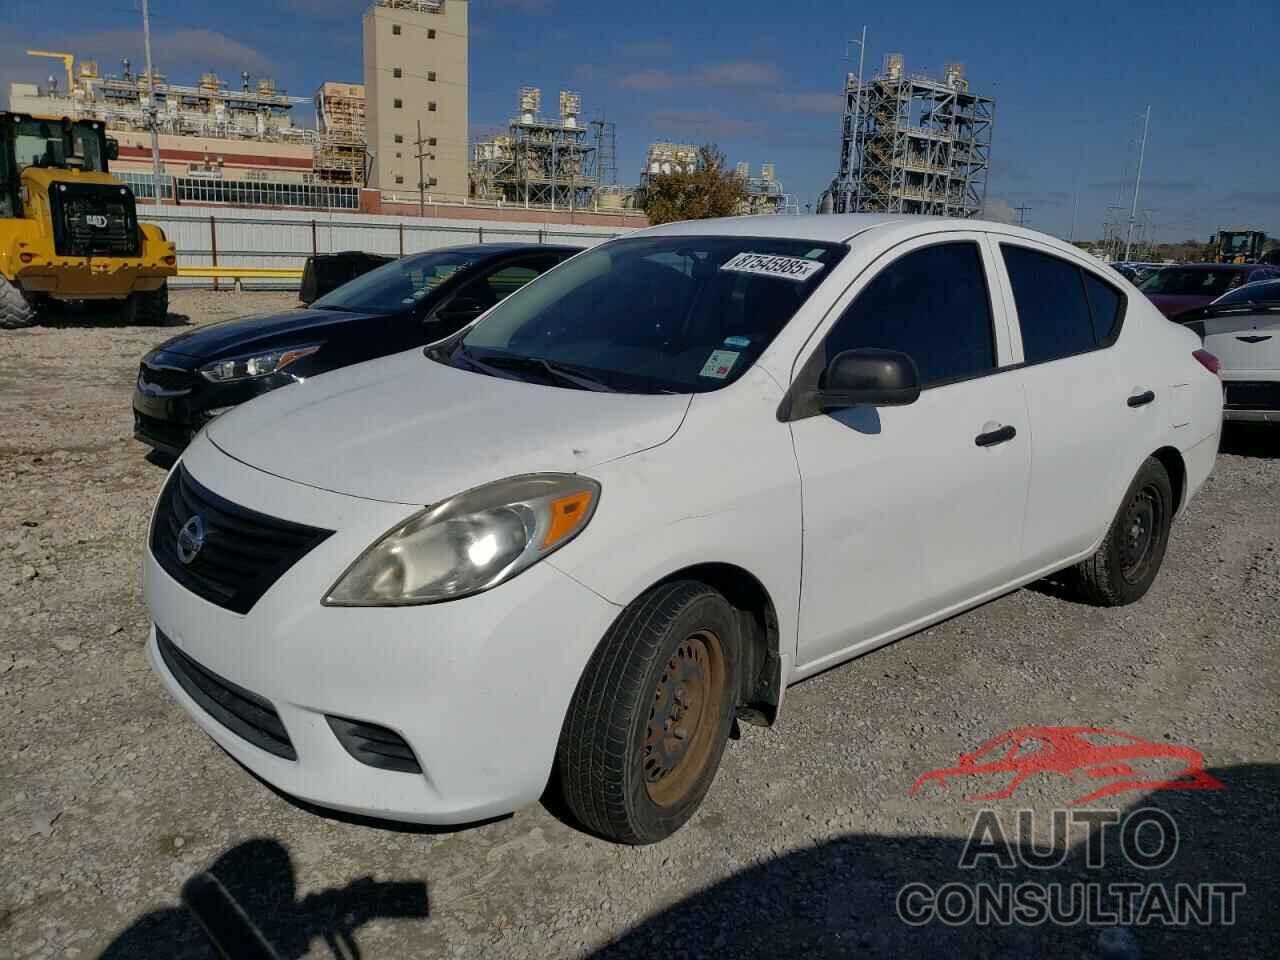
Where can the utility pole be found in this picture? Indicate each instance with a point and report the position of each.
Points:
(1137, 182)
(152, 111)
(1022, 215)
(857, 120)
(422, 171)
(1075, 206)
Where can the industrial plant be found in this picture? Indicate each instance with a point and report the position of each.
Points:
(912, 144)
(403, 135)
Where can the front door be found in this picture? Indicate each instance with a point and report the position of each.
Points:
(912, 510)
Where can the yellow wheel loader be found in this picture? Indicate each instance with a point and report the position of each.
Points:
(69, 230)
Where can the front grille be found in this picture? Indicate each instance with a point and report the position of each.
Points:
(161, 433)
(169, 379)
(374, 746)
(243, 713)
(242, 552)
(1253, 395)
(94, 219)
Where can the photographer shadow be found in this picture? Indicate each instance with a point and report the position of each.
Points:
(259, 878)
(840, 898)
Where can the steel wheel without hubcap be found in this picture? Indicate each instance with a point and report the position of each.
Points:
(1142, 520)
(652, 713)
(682, 723)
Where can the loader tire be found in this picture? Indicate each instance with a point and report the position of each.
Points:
(150, 308)
(17, 309)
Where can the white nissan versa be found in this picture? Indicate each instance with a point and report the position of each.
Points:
(651, 489)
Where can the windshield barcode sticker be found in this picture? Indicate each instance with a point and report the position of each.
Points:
(767, 265)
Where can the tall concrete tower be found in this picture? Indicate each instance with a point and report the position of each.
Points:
(415, 72)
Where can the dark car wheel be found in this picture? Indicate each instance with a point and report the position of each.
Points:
(651, 715)
(150, 307)
(1125, 565)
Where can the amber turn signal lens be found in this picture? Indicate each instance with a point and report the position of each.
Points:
(567, 514)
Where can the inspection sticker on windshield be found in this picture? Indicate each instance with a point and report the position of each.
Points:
(766, 265)
(719, 364)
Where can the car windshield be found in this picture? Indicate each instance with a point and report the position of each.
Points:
(1266, 291)
(680, 314)
(1199, 282)
(399, 285)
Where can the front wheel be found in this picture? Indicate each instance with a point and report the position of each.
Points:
(1126, 563)
(651, 715)
(17, 309)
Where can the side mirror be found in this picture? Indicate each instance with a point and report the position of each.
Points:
(113, 148)
(461, 309)
(869, 378)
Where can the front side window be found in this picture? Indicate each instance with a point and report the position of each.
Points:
(682, 314)
(396, 286)
(1053, 308)
(932, 305)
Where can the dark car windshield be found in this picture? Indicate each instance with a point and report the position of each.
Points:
(656, 314)
(1192, 282)
(399, 285)
(1268, 291)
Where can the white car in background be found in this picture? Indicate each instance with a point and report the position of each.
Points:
(650, 490)
(1242, 329)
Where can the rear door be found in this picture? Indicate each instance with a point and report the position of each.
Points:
(911, 510)
(1093, 401)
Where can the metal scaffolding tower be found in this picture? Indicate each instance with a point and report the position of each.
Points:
(540, 161)
(913, 144)
(606, 152)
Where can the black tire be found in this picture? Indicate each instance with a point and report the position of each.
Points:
(672, 654)
(1125, 565)
(150, 308)
(17, 309)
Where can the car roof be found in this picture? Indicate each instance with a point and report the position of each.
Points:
(839, 227)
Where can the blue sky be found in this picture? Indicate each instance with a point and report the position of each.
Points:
(763, 81)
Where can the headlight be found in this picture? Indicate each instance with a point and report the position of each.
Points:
(469, 543)
(255, 365)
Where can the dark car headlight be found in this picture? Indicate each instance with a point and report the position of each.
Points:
(256, 364)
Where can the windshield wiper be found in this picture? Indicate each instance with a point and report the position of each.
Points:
(557, 371)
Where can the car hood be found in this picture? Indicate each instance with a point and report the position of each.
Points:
(1173, 304)
(407, 429)
(229, 338)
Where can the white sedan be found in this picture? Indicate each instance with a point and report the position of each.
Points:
(650, 490)
(1242, 329)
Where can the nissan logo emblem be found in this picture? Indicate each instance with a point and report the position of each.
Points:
(190, 539)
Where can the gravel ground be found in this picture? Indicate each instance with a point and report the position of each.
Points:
(110, 797)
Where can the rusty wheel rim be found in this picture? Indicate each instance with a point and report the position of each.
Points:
(684, 716)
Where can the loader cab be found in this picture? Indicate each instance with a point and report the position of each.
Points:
(46, 143)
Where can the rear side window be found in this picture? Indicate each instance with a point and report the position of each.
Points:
(1062, 309)
(932, 305)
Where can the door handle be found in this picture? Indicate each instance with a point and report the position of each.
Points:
(993, 437)
(1141, 399)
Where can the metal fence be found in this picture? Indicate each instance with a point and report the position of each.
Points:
(214, 236)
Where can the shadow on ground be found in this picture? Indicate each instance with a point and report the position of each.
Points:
(100, 315)
(259, 877)
(1260, 440)
(839, 899)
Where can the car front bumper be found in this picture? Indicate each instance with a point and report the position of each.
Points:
(478, 688)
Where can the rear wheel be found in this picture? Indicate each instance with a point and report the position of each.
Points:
(17, 309)
(650, 718)
(150, 307)
(1126, 564)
